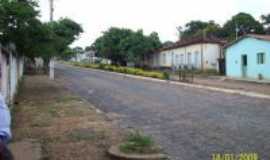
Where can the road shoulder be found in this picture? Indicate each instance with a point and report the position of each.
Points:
(63, 125)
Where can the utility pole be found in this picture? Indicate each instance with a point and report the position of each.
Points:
(51, 9)
(236, 31)
(51, 63)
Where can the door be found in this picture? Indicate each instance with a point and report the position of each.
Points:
(196, 60)
(244, 65)
(189, 61)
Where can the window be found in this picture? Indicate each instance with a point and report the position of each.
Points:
(189, 58)
(182, 59)
(177, 59)
(196, 59)
(260, 58)
(163, 58)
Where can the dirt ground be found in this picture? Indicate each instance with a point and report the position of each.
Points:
(67, 127)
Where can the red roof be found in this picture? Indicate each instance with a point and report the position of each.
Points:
(256, 36)
(194, 40)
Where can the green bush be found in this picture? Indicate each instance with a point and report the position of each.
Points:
(166, 75)
(136, 142)
(126, 70)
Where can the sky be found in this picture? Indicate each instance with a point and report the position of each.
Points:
(161, 16)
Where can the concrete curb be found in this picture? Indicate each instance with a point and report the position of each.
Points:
(229, 91)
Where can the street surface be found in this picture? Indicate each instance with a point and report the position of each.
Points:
(189, 123)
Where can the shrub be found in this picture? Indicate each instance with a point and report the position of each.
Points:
(166, 75)
(126, 70)
(136, 142)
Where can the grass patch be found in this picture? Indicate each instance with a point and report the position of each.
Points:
(85, 134)
(136, 142)
(126, 70)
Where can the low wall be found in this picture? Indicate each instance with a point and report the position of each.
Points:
(12, 68)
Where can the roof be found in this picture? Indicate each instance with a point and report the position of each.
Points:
(194, 40)
(256, 36)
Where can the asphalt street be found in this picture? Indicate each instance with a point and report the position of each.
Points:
(189, 123)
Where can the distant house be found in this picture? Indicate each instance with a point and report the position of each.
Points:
(86, 56)
(201, 53)
(249, 57)
(90, 57)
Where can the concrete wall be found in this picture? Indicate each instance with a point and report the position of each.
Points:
(250, 47)
(11, 72)
(200, 56)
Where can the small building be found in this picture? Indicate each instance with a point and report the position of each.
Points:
(201, 53)
(249, 57)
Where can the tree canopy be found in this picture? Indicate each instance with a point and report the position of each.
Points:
(19, 24)
(245, 24)
(124, 45)
(266, 23)
(242, 22)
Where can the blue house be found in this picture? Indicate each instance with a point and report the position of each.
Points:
(249, 57)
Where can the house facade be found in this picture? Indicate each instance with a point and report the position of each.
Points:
(201, 53)
(249, 58)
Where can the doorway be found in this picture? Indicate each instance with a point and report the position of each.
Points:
(244, 65)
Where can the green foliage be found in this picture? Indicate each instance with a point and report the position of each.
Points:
(64, 32)
(245, 23)
(124, 45)
(126, 70)
(199, 28)
(136, 142)
(19, 24)
(266, 22)
(166, 75)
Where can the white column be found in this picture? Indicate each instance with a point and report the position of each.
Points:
(20, 69)
(51, 65)
(4, 75)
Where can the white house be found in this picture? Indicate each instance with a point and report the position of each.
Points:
(198, 52)
(85, 56)
(90, 57)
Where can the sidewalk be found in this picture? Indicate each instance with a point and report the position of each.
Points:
(51, 123)
(223, 82)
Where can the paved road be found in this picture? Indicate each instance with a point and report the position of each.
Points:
(189, 123)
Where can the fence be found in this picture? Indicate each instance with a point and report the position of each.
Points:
(11, 71)
(183, 74)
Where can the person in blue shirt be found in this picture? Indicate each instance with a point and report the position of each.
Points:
(5, 121)
(5, 133)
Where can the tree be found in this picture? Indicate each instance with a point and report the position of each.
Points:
(62, 33)
(19, 24)
(18, 20)
(78, 50)
(167, 44)
(108, 45)
(200, 28)
(193, 27)
(244, 23)
(124, 45)
(266, 23)
(89, 48)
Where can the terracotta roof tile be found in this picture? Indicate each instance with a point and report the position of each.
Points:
(194, 40)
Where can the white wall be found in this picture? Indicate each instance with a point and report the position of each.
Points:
(200, 56)
(11, 73)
